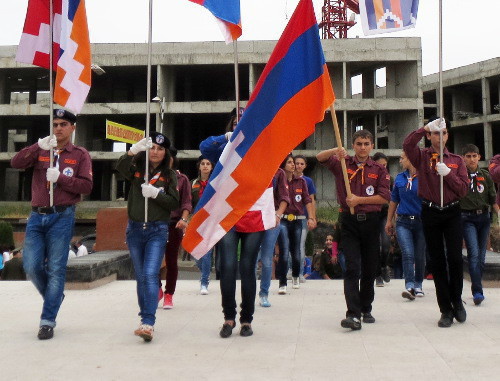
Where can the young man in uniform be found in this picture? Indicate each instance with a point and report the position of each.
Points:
(50, 228)
(369, 182)
(476, 217)
(442, 224)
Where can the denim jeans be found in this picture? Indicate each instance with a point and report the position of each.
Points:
(385, 244)
(266, 255)
(411, 240)
(303, 237)
(205, 266)
(147, 247)
(45, 256)
(289, 241)
(228, 252)
(476, 228)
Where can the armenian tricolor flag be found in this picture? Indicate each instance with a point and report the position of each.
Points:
(290, 97)
(227, 13)
(382, 16)
(71, 47)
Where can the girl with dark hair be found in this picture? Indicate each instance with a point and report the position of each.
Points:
(146, 240)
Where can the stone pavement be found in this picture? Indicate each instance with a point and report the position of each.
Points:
(298, 338)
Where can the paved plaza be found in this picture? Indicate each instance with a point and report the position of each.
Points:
(298, 338)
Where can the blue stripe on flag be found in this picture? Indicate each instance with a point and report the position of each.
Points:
(72, 8)
(370, 14)
(224, 9)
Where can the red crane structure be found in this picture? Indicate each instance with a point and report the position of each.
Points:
(334, 22)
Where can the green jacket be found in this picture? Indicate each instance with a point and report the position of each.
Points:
(483, 194)
(159, 208)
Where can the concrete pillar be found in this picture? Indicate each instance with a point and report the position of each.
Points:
(485, 91)
(368, 82)
(347, 81)
(488, 140)
(3, 89)
(113, 188)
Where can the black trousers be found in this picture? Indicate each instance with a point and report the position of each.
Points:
(361, 245)
(443, 236)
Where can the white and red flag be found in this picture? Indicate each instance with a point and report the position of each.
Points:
(71, 48)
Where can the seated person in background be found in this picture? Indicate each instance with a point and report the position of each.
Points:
(13, 269)
(81, 249)
(315, 273)
(329, 264)
(307, 266)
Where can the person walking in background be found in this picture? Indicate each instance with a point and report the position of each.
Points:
(475, 211)
(146, 240)
(383, 269)
(300, 166)
(369, 183)
(442, 224)
(266, 253)
(409, 230)
(176, 228)
(291, 225)
(50, 228)
(198, 186)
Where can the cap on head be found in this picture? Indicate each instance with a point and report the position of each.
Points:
(240, 112)
(160, 139)
(59, 113)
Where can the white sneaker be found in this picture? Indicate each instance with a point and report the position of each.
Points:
(419, 293)
(302, 279)
(295, 283)
(204, 290)
(282, 290)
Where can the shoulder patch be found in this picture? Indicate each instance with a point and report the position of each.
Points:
(452, 165)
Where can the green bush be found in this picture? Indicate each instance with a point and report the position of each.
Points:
(6, 235)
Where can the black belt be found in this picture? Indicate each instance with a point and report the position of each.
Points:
(437, 206)
(361, 216)
(408, 216)
(475, 211)
(50, 209)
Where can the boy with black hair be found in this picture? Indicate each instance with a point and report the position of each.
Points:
(476, 217)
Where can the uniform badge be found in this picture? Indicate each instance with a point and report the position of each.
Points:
(68, 171)
(298, 198)
(370, 190)
(480, 188)
(160, 139)
(60, 113)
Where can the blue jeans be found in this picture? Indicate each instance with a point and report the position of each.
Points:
(411, 240)
(205, 266)
(266, 255)
(476, 228)
(303, 238)
(147, 247)
(289, 241)
(45, 256)
(341, 259)
(228, 252)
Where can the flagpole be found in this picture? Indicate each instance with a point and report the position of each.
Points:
(342, 161)
(51, 91)
(236, 80)
(148, 103)
(441, 97)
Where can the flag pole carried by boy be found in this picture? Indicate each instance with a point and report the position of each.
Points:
(56, 37)
(228, 15)
(290, 97)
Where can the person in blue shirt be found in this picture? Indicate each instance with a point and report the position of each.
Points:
(407, 206)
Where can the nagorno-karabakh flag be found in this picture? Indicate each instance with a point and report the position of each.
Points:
(228, 15)
(290, 97)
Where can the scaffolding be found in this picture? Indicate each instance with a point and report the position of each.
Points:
(334, 22)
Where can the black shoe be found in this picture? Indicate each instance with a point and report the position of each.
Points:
(459, 313)
(379, 282)
(246, 330)
(45, 332)
(226, 330)
(368, 318)
(408, 294)
(352, 323)
(385, 274)
(446, 320)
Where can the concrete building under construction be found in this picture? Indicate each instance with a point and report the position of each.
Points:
(378, 85)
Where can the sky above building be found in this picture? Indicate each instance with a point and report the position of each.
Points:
(470, 28)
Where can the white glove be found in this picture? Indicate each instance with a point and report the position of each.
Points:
(47, 142)
(149, 191)
(437, 125)
(228, 135)
(442, 169)
(53, 174)
(141, 145)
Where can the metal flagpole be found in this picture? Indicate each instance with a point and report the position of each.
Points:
(51, 91)
(148, 104)
(441, 108)
(236, 80)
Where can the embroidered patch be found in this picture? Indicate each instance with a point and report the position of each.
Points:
(350, 171)
(480, 188)
(452, 165)
(298, 190)
(68, 171)
(373, 176)
(480, 178)
(298, 198)
(60, 113)
(43, 158)
(370, 190)
(69, 161)
(160, 139)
